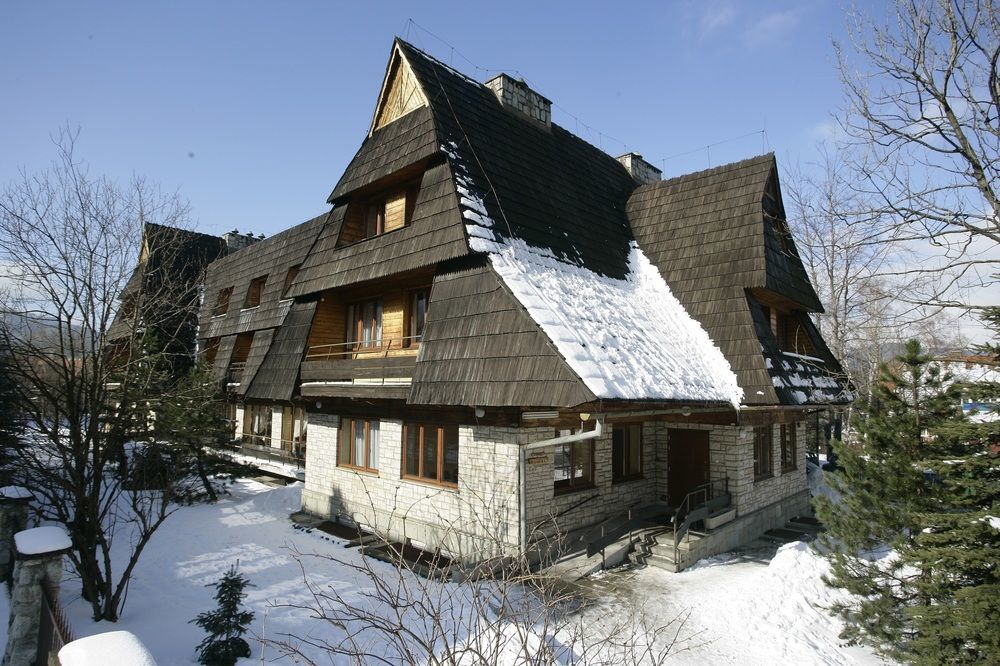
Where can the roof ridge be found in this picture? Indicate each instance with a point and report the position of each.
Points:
(712, 171)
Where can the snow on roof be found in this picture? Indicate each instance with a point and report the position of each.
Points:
(806, 379)
(40, 540)
(112, 647)
(629, 339)
(15, 493)
(972, 373)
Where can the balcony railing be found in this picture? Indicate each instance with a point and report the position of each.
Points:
(259, 447)
(362, 350)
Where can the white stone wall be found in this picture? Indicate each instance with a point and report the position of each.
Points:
(750, 495)
(549, 513)
(239, 420)
(479, 517)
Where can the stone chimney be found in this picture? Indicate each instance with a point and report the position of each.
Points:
(234, 240)
(515, 94)
(641, 171)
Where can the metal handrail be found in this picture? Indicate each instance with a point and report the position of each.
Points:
(361, 349)
(686, 516)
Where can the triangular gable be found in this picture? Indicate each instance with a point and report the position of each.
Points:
(400, 94)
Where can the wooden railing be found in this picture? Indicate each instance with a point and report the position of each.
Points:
(361, 350)
(291, 452)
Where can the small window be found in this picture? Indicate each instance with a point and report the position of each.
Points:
(763, 446)
(211, 350)
(358, 443)
(789, 445)
(430, 453)
(375, 219)
(379, 213)
(290, 278)
(255, 291)
(222, 301)
(418, 316)
(364, 324)
(573, 464)
(626, 452)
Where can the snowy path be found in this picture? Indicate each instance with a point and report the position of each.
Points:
(742, 611)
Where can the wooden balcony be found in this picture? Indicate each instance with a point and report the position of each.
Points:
(377, 369)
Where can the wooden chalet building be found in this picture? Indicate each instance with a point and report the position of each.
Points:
(499, 332)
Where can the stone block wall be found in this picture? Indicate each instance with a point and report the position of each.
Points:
(479, 517)
(549, 513)
(276, 413)
(750, 495)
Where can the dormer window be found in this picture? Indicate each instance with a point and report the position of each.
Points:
(255, 291)
(775, 215)
(222, 301)
(289, 279)
(379, 213)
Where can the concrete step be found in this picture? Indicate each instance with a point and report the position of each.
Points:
(661, 562)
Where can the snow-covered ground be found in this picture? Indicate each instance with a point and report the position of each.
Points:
(741, 611)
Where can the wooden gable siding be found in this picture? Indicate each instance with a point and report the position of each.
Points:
(389, 149)
(277, 377)
(255, 356)
(272, 256)
(223, 356)
(436, 233)
(402, 93)
(481, 348)
(704, 232)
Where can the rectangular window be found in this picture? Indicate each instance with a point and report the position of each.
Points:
(257, 424)
(573, 467)
(358, 443)
(375, 219)
(788, 447)
(626, 452)
(430, 453)
(364, 324)
(255, 291)
(222, 301)
(290, 278)
(418, 316)
(762, 451)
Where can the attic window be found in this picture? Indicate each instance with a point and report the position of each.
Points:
(380, 213)
(255, 291)
(222, 301)
(289, 279)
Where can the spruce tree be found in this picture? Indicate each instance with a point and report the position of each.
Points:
(910, 537)
(192, 429)
(225, 625)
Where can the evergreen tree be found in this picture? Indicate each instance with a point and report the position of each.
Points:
(226, 625)
(194, 436)
(910, 537)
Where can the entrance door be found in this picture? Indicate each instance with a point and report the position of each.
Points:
(687, 462)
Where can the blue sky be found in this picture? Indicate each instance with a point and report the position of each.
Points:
(251, 110)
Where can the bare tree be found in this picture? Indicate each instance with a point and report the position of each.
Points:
(71, 243)
(923, 101)
(479, 601)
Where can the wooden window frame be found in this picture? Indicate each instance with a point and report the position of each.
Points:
(411, 315)
(763, 465)
(789, 447)
(622, 449)
(345, 438)
(253, 294)
(262, 440)
(421, 442)
(354, 333)
(374, 206)
(222, 302)
(573, 484)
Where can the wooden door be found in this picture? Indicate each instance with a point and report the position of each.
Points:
(687, 462)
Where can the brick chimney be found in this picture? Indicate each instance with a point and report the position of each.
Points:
(641, 171)
(234, 240)
(515, 94)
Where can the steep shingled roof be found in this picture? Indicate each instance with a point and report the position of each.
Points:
(708, 235)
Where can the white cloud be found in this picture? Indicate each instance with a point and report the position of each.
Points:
(715, 17)
(772, 25)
